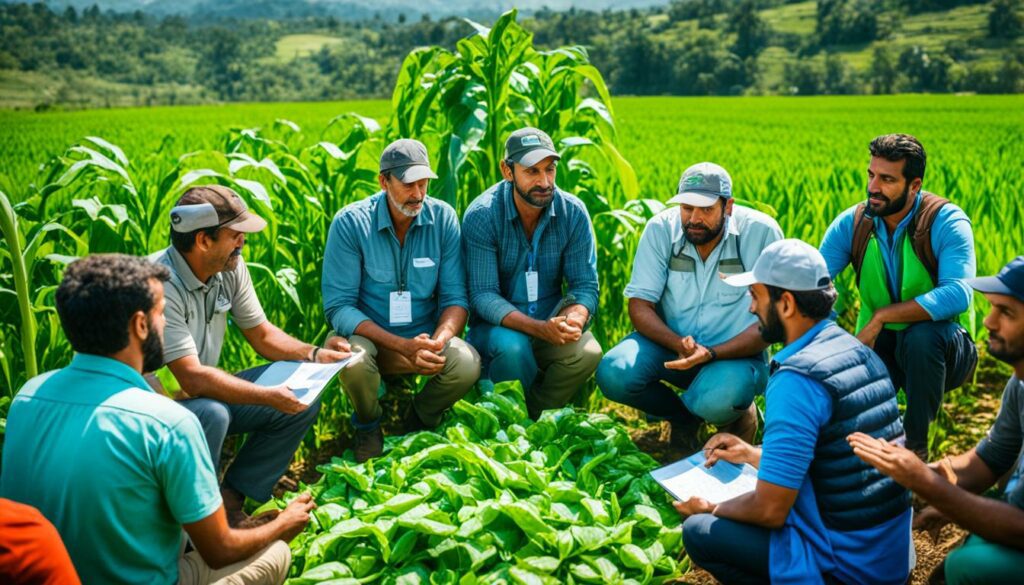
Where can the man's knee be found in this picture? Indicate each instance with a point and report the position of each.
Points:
(696, 532)
(723, 390)
(509, 344)
(462, 363)
(619, 374)
(928, 336)
(588, 354)
(213, 415)
(361, 376)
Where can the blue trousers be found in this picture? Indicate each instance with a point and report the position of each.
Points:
(633, 373)
(273, 438)
(731, 551)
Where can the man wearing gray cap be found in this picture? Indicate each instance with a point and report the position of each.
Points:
(692, 331)
(994, 551)
(524, 239)
(817, 513)
(395, 285)
(208, 280)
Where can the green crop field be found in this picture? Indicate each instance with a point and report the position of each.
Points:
(580, 506)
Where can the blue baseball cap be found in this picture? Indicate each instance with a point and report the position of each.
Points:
(1009, 281)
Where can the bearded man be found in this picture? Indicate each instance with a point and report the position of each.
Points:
(692, 329)
(526, 240)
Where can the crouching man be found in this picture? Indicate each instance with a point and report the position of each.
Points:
(818, 513)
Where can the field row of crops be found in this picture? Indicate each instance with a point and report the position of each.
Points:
(93, 182)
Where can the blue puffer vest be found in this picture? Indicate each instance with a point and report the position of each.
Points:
(851, 494)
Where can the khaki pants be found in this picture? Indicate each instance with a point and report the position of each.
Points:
(361, 379)
(267, 567)
(550, 374)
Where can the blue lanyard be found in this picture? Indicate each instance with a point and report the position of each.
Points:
(531, 308)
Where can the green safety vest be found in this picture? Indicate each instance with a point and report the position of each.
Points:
(914, 282)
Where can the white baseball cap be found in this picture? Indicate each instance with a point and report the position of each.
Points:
(791, 264)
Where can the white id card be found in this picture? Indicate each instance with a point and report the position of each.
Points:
(401, 308)
(531, 286)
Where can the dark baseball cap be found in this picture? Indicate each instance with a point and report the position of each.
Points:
(1009, 281)
(213, 206)
(529, 146)
(407, 161)
(702, 185)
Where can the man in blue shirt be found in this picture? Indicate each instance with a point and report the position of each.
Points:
(523, 239)
(994, 551)
(911, 252)
(691, 328)
(118, 469)
(817, 511)
(395, 285)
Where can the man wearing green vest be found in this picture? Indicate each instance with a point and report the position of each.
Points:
(911, 251)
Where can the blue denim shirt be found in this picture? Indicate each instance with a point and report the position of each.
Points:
(364, 264)
(498, 256)
(952, 241)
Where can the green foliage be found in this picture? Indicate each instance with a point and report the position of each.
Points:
(492, 497)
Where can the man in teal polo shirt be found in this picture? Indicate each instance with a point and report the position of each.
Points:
(117, 468)
(394, 284)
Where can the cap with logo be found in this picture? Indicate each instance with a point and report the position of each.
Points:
(791, 264)
(1009, 281)
(702, 185)
(407, 161)
(529, 146)
(213, 206)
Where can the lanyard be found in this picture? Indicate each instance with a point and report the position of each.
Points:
(401, 261)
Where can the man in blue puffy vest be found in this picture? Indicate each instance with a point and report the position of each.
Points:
(817, 513)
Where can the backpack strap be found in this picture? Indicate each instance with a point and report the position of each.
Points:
(920, 232)
(863, 227)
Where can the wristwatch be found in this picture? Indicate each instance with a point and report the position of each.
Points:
(714, 354)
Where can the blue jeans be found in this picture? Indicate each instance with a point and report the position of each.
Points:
(633, 373)
(273, 438)
(731, 551)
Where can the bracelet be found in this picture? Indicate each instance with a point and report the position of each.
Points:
(316, 350)
(714, 354)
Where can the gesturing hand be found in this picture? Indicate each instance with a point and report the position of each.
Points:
(691, 354)
(899, 463)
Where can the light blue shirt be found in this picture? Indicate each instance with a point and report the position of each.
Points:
(952, 241)
(115, 467)
(690, 295)
(364, 264)
(796, 409)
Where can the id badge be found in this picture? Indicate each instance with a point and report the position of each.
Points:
(401, 308)
(531, 286)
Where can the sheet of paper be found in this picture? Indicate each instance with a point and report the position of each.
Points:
(718, 483)
(306, 379)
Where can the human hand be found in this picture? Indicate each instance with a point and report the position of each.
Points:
(727, 447)
(869, 334)
(293, 519)
(931, 521)
(693, 506)
(337, 343)
(283, 399)
(899, 463)
(691, 354)
(557, 331)
(424, 353)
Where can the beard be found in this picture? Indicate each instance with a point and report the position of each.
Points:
(771, 327)
(152, 351)
(535, 197)
(1004, 352)
(704, 233)
(891, 206)
(405, 208)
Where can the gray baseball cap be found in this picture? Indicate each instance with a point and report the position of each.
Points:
(791, 264)
(702, 185)
(407, 160)
(213, 206)
(529, 146)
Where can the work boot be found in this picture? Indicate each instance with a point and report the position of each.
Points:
(685, 438)
(411, 422)
(745, 427)
(233, 502)
(369, 443)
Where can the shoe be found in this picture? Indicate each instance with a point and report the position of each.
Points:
(369, 444)
(745, 427)
(685, 438)
(411, 422)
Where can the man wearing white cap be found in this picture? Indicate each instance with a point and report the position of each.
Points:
(394, 284)
(692, 331)
(208, 280)
(818, 512)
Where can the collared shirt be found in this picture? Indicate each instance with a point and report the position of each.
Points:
(364, 264)
(796, 409)
(1004, 444)
(952, 241)
(690, 295)
(197, 312)
(498, 255)
(117, 468)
